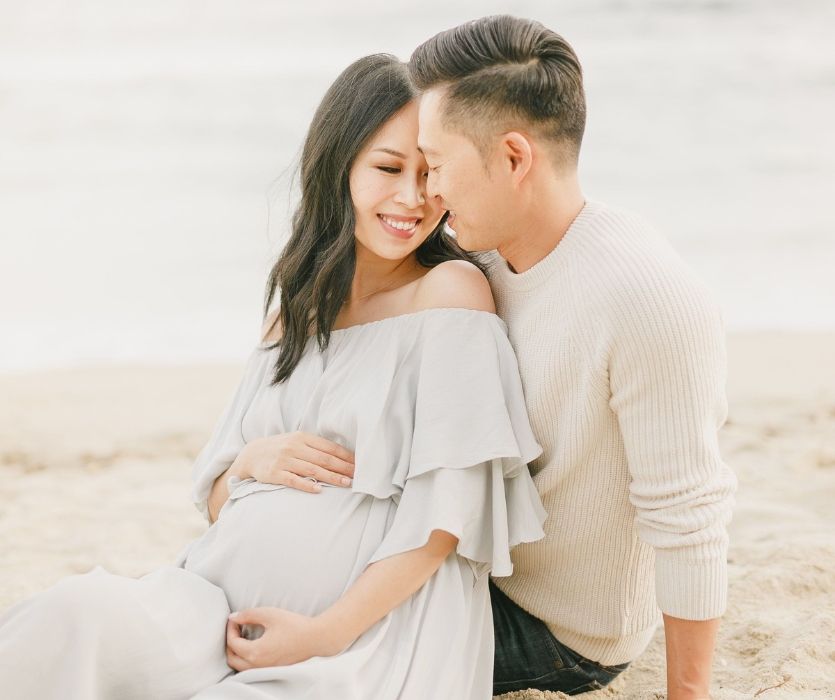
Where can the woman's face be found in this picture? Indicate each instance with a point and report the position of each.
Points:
(388, 189)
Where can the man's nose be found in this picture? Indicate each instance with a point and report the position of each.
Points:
(431, 186)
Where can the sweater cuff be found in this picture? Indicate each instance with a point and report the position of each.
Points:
(691, 590)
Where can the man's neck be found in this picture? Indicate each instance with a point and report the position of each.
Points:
(542, 225)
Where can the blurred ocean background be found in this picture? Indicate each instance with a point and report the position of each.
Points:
(146, 153)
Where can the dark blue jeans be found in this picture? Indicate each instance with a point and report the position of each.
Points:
(529, 656)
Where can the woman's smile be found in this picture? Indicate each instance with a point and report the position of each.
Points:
(400, 226)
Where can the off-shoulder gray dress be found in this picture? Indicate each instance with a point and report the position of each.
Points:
(431, 404)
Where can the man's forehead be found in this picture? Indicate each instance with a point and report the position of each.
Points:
(429, 122)
(431, 99)
(431, 105)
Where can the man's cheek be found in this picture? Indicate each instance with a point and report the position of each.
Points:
(443, 190)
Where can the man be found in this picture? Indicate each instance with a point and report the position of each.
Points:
(622, 357)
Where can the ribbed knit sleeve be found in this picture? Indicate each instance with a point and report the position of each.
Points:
(667, 376)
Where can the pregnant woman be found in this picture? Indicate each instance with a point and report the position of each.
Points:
(386, 354)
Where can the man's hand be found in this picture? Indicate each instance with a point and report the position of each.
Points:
(287, 638)
(690, 646)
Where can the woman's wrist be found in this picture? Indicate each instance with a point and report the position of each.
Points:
(239, 465)
(331, 639)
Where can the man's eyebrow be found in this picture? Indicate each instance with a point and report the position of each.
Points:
(391, 152)
(427, 151)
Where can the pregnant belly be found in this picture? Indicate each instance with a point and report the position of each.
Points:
(275, 546)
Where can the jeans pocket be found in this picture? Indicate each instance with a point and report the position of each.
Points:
(596, 676)
(609, 673)
(563, 658)
(527, 657)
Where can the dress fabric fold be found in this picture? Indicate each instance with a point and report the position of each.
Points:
(432, 406)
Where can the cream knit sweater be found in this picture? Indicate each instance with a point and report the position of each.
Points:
(621, 353)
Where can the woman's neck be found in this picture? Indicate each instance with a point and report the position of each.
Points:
(374, 274)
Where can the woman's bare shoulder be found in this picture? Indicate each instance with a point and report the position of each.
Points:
(271, 330)
(454, 284)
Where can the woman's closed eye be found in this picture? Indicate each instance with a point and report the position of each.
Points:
(390, 169)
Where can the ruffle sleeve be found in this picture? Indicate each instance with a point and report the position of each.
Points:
(465, 469)
(227, 440)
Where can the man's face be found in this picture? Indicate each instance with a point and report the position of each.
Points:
(472, 186)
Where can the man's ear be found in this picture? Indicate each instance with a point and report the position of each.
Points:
(517, 154)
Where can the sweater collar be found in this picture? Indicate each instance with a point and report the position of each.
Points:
(502, 275)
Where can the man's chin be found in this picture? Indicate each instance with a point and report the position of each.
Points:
(451, 231)
(466, 242)
(456, 235)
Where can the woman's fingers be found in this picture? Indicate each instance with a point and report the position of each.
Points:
(292, 473)
(236, 644)
(233, 639)
(247, 616)
(300, 483)
(306, 466)
(326, 460)
(323, 445)
(237, 662)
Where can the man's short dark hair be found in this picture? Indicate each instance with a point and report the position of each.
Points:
(501, 71)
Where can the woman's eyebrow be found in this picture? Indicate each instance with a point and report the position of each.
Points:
(391, 152)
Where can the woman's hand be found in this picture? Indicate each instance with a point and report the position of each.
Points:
(287, 638)
(289, 458)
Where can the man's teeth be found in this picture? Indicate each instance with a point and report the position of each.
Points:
(401, 225)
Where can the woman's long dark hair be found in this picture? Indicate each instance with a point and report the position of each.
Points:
(316, 267)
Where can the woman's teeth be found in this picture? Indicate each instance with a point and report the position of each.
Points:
(400, 225)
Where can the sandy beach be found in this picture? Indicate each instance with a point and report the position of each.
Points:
(95, 470)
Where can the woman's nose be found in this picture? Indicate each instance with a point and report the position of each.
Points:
(411, 193)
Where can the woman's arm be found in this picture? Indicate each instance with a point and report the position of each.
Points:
(218, 495)
(383, 586)
(290, 638)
